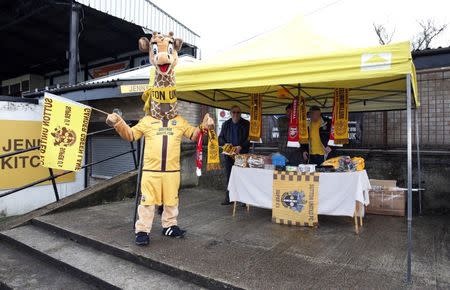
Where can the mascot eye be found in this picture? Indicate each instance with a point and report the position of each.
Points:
(170, 48)
(155, 49)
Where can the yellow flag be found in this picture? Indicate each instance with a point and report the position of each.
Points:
(63, 133)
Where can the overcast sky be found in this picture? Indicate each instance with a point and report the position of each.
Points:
(222, 24)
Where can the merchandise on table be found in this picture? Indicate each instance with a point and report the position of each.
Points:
(386, 198)
(228, 149)
(251, 160)
(359, 163)
(306, 168)
(241, 160)
(325, 168)
(345, 163)
(256, 161)
(291, 168)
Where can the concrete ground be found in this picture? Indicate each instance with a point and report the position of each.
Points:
(251, 252)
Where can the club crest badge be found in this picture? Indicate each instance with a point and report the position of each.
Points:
(63, 136)
(294, 200)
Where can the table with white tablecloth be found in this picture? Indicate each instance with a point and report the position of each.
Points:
(339, 192)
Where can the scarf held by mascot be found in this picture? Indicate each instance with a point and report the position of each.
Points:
(163, 130)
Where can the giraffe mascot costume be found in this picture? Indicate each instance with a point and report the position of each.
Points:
(163, 130)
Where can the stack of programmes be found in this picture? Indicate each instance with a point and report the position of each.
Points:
(253, 161)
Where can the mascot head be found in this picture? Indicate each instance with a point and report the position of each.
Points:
(160, 101)
(162, 50)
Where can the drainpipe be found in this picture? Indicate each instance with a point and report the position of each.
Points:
(73, 44)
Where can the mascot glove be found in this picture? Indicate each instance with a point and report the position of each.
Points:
(113, 119)
(208, 123)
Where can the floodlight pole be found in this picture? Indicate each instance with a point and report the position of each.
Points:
(409, 176)
(73, 42)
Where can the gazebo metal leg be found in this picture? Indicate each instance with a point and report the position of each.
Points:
(409, 177)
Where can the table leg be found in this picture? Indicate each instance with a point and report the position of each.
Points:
(360, 216)
(356, 222)
(248, 207)
(234, 209)
(359, 211)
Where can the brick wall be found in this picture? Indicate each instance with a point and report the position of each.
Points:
(388, 129)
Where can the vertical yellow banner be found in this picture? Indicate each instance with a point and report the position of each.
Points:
(63, 133)
(341, 116)
(255, 117)
(295, 198)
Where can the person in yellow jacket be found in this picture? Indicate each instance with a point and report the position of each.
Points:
(163, 130)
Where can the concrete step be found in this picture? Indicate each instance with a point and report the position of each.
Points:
(126, 253)
(99, 268)
(19, 270)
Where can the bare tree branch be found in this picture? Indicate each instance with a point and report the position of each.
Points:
(429, 31)
(383, 36)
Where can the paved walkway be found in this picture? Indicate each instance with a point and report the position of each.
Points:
(249, 251)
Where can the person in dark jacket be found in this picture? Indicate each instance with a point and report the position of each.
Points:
(317, 151)
(235, 132)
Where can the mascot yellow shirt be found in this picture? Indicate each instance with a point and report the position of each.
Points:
(162, 142)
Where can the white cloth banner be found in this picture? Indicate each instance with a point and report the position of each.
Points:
(338, 191)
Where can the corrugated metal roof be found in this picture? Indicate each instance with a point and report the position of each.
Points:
(141, 73)
(145, 14)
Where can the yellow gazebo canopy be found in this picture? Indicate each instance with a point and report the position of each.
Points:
(292, 59)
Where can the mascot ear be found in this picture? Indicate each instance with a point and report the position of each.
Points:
(144, 44)
(178, 44)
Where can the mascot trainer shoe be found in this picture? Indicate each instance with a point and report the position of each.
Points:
(142, 239)
(174, 232)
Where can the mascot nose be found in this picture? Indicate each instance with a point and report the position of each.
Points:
(163, 57)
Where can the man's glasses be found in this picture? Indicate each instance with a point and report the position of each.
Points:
(235, 112)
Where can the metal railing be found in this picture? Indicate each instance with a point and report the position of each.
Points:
(52, 176)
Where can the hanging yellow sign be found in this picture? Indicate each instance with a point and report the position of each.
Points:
(24, 168)
(295, 198)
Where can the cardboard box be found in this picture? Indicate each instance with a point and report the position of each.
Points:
(385, 198)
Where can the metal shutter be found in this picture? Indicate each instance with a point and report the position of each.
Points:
(106, 146)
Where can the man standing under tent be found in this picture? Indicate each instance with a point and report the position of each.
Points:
(235, 132)
(317, 151)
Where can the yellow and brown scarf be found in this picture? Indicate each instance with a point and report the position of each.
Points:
(213, 161)
(340, 116)
(255, 117)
